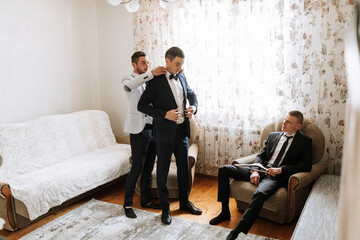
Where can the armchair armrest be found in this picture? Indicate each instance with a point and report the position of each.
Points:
(247, 159)
(298, 182)
(7, 207)
(193, 152)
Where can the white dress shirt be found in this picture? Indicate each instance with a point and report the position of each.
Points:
(278, 148)
(178, 93)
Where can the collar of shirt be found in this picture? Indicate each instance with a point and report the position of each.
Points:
(293, 135)
(167, 75)
(284, 137)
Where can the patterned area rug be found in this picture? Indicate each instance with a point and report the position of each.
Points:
(101, 220)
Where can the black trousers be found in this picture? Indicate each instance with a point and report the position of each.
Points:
(267, 187)
(164, 151)
(143, 151)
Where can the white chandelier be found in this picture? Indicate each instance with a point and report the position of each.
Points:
(133, 5)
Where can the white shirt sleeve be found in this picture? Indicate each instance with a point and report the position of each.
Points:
(134, 80)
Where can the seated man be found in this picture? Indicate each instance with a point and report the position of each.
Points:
(284, 153)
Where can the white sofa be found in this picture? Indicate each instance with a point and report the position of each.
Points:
(319, 218)
(51, 159)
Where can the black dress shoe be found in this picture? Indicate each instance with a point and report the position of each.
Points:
(166, 217)
(129, 212)
(189, 207)
(220, 218)
(233, 234)
(151, 205)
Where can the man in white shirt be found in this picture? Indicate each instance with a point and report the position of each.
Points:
(139, 126)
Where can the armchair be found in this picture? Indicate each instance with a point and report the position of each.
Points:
(285, 205)
(172, 183)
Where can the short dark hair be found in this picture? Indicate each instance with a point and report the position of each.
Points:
(174, 52)
(298, 115)
(135, 57)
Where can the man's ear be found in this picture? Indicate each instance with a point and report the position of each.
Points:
(134, 65)
(298, 126)
(167, 61)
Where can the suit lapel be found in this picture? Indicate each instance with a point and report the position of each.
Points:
(166, 85)
(276, 141)
(182, 81)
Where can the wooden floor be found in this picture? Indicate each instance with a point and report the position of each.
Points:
(203, 195)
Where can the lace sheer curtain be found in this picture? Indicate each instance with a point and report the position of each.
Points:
(249, 63)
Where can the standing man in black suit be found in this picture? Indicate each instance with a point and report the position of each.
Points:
(164, 99)
(284, 153)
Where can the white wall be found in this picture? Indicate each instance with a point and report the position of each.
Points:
(61, 56)
(115, 34)
(49, 59)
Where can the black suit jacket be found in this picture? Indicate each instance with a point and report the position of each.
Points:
(297, 159)
(157, 99)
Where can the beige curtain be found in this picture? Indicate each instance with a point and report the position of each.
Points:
(349, 215)
(250, 62)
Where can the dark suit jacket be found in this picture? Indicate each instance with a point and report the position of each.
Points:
(157, 99)
(297, 159)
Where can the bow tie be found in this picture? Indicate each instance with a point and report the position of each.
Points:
(175, 77)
